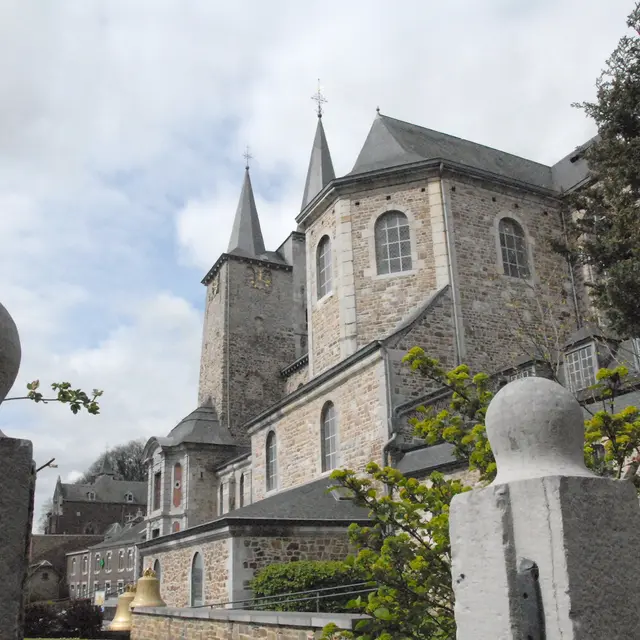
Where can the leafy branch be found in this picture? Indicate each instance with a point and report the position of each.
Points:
(77, 399)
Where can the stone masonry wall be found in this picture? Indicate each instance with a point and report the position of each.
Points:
(324, 314)
(484, 289)
(160, 624)
(260, 552)
(296, 380)
(175, 567)
(362, 429)
(382, 301)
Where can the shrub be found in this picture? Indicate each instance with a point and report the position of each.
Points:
(81, 618)
(306, 575)
(41, 620)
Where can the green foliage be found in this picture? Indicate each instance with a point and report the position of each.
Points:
(126, 460)
(75, 398)
(606, 234)
(305, 575)
(51, 620)
(405, 551)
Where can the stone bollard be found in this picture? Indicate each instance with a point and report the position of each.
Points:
(17, 485)
(548, 551)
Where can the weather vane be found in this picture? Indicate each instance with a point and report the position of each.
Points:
(319, 99)
(247, 156)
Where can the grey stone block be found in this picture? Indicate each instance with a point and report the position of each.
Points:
(17, 485)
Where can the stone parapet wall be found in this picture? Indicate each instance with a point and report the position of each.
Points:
(193, 624)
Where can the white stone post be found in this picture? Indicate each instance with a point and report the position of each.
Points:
(548, 551)
(17, 484)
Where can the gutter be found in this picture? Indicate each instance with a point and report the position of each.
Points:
(457, 329)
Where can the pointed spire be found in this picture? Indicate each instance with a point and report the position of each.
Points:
(105, 468)
(320, 171)
(246, 235)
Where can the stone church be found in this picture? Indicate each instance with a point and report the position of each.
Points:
(424, 242)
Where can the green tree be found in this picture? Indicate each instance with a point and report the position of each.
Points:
(126, 460)
(406, 550)
(605, 232)
(77, 399)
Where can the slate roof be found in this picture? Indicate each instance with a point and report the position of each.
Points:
(393, 143)
(320, 172)
(106, 489)
(307, 502)
(246, 235)
(129, 534)
(427, 459)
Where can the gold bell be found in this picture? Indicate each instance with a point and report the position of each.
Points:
(122, 620)
(148, 591)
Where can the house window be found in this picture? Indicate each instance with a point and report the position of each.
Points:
(513, 246)
(85, 564)
(197, 571)
(96, 586)
(393, 243)
(177, 484)
(120, 586)
(72, 588)
(525, 372)
(97, 563)
(130, 559)
(272, 461)
(73, 566)
(121, 561)
(175, 527)
(329, 437)
(220, 499)
(45, 575)
(91, 495)
(157, 484)
(84, 589)
(128, 497)
(323, 267)
(108, 566)
(107, 586)
(580, 368)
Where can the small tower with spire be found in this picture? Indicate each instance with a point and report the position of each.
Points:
(248, 335)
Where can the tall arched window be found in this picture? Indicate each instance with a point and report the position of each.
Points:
(329, 437)
(513, 246)
(197, 574)
(323, 267)
(272, 462)
(177, 484)
(393, 244)
(157, 569)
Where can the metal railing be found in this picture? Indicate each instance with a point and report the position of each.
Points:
(264, 603)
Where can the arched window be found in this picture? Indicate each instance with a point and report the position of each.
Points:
(91, 495)
(73, 566)
(329, 437)
(393, 244)
(121, 561)
(272, 462)
(323, 267)
(241, 490)
(157, 569)
(177, 484)
(197, 571)
(130, 559)
(513, 246)
(128, 497)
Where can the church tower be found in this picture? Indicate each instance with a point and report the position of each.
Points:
(248, 335)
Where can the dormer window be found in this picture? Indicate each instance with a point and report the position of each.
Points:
(91, 495)
(528, 371)
(580, 366)
(128, 497)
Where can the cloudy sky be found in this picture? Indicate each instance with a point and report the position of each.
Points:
(122, 128)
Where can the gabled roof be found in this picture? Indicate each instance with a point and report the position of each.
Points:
(129, 534)
(107, 490)
(320, 171)
(392, 143)
(246, 235)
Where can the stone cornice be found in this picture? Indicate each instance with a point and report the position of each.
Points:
(415, 171)
(294, 366)
(230, 256)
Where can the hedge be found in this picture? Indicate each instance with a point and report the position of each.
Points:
(50, 620)
(305, 575)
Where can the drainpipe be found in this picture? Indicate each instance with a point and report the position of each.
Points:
(452, 282)
(386, 449)
(576, 308)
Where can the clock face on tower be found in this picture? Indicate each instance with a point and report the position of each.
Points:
(260, 277)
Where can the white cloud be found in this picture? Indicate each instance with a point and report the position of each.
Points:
(121, 131)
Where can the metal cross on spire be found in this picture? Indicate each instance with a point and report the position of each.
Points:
(247, 156)
(319, 99)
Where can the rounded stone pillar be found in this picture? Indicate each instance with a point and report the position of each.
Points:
(10, 352)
